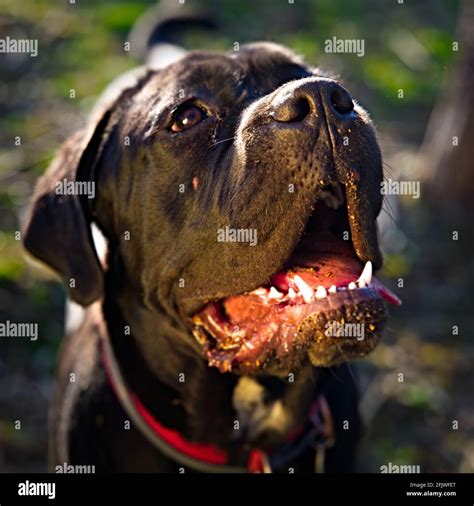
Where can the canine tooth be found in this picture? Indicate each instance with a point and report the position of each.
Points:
(333, 289)
(274, 293)
(306, 291)
(366, 275)
(352, 286)
(321, 292)
(291, 293)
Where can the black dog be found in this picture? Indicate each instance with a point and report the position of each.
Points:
(238, 195)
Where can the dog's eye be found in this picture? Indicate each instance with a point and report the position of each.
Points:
(186, 117)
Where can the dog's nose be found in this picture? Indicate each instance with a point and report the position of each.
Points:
(293, 104)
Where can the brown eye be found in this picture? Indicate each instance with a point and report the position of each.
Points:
(186, 117)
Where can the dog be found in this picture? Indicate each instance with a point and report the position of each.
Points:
(238, 195)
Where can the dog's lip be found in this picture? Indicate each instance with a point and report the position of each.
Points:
(362, 221)
(191, 306)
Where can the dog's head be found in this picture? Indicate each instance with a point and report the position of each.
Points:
(239, 193)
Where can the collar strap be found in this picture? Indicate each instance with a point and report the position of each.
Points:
(208, 458)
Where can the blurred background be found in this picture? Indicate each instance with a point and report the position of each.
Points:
(409, 46)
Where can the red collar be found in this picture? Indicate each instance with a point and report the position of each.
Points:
(200, 451)
(204, 456)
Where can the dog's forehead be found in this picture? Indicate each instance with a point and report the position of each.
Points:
(256, 68)
(268, 65)
(203, 71)
(264, 57)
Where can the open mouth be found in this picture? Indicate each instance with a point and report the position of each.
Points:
(324, 305)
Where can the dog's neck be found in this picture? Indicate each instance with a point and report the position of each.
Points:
(178, 387)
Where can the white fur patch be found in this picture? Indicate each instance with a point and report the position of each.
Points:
(254, 415)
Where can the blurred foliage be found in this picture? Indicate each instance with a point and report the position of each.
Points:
(407, 46)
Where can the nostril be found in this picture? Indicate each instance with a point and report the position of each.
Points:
(301, 109)
(291, 111)
(341, 101)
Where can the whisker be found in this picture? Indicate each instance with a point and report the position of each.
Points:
(386, 167)
(331, 370)
(396, 222)
(351, 371)
(390, 213)
(223, 140)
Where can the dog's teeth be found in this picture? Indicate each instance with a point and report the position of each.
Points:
(361, 283)
(306, 291)
(260, 291)
(291, 293)
(333, 289)
(352, 286)
(321, 292)
(366, 275)
(274, 293)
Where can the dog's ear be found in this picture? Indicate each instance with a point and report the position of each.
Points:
(57, 225)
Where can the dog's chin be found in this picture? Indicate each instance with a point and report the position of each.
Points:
(322, 308)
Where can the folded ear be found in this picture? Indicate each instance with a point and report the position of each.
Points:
(57, 226)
